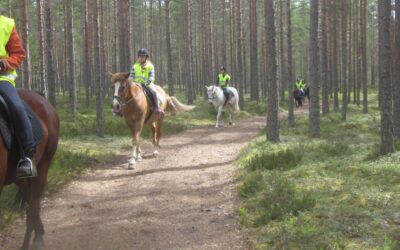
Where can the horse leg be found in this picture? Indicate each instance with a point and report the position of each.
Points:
(158, 136)
(33, 220)
(135, 148)
(218, 116)
(231, 116)
(3, 169)
(153, 127)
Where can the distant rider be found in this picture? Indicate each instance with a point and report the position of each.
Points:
(223, 82)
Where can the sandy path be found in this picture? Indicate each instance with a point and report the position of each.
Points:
(183, 199)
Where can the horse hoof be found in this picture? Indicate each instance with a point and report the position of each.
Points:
(156, 153)
(131, 164)
(37, 245)
(231, 123)
(139, 158)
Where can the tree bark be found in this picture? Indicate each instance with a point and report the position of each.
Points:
(314, 125)
(396, 78)
(272, 102)
(385, 88)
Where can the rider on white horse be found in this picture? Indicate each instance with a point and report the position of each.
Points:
(223, 82)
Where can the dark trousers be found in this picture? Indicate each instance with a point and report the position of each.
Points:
(19, 117)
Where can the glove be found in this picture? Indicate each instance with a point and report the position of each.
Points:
(3, 65)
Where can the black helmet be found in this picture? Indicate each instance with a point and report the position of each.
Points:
(143, 52)
(222, 68)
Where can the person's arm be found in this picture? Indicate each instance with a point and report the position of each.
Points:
(132, 74)
(16, 53)
(151, 76)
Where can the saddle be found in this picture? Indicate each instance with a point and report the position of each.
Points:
(6, 128)
(150, 98)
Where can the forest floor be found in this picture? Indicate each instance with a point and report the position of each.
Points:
(183, 199)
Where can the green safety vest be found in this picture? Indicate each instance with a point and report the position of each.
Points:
(142, 74)
(6, 27)
(300, 85)
(223, 80)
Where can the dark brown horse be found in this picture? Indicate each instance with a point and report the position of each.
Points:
(32, 189)
(130, 101)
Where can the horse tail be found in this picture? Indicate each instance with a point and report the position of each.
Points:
(175, 106)
(237, 107)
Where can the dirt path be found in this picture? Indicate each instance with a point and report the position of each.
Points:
(183, 199)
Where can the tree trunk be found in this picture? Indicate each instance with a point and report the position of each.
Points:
(272, 102)
(240, 64)
(169, 47)
(313, 73)
(124, 47)
(364, 70)
(254, 93)
(344, 60)
(385, 88)
(26, 66)
(42, 59)
(51, 76)
(324, 57)
(97, 72)
(290, 63)
(71, 80)
(396, 78)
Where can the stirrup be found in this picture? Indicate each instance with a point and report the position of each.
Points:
(26, 168)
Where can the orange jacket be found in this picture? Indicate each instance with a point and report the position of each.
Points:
(16, 52)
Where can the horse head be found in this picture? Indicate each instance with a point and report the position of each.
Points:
(120, 85)
(212, 93)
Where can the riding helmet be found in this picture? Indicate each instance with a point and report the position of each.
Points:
(143, 52)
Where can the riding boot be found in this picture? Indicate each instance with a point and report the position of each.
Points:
(26, 167)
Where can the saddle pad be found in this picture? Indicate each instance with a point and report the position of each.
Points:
(5, 128)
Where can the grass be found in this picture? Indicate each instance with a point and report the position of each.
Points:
(79, 147)
(330, 193)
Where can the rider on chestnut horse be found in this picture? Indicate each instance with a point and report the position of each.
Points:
(143, 73)
(12, 54)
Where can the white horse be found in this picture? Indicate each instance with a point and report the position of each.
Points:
(217, 98)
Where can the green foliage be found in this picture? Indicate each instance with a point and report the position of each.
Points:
(336, 192)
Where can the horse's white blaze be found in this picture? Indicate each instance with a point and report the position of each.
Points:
(115, 102)
(217, 98)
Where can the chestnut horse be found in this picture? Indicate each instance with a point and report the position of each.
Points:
(130, 101)
(32, 189)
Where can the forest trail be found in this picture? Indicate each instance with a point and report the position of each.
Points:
(183, 199)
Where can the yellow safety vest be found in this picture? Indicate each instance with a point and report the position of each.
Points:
(223, 80)
(142, 74)
(6, 27)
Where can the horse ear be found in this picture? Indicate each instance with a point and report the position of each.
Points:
(127, 74)
(110, 74)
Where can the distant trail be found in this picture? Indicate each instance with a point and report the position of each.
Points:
(183, 199)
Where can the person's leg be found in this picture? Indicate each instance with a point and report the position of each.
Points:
(155, 97)
(20, 122)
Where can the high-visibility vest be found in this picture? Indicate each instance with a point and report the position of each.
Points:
(6, 27)
(223, 80)
(300, 85)
(142, 74)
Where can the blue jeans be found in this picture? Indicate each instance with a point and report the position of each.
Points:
(19, 117)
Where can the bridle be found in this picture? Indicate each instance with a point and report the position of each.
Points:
(121, 101)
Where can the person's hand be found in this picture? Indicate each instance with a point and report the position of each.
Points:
(3, 65)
